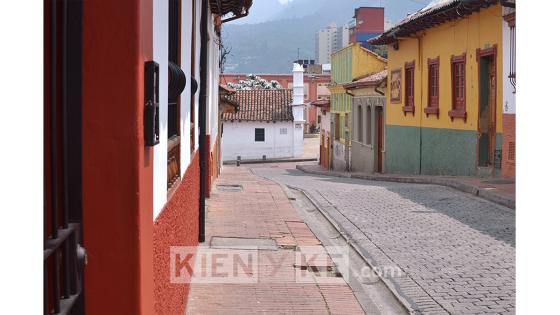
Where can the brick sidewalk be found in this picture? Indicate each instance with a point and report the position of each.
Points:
(260, 209)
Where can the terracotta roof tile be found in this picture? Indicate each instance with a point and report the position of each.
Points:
(262, 105)
(369, 80)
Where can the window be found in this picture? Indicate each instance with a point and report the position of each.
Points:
(259, 134)
(360, 131)
(368, 125)
(458, 87)
(433, 87)
(283, 131)
(409, 87)
(337, 126)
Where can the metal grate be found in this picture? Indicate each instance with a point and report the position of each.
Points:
(498, 159)
(511, 151)
(63, 256)
(229, 188)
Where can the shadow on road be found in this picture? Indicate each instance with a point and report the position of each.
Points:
(486, 217)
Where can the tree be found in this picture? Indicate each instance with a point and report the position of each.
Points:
(254, 82)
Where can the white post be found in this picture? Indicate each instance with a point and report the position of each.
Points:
(297, 109)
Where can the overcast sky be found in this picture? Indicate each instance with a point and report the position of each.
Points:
(266, 10)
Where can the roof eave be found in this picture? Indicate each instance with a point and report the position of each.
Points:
(438, 16)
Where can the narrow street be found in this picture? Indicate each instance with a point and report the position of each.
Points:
(456, 251)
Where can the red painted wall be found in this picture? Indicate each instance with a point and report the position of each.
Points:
(177, 225)
(212, 164)
(370, 20)
(117, 168)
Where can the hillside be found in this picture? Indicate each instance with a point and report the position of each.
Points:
(271, 46)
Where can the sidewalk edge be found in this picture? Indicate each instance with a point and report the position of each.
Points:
(449, 182)
(408, 304)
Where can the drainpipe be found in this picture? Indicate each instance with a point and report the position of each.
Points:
(418, 103)
(202, 101)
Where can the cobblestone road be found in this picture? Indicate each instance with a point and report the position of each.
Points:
(456, 251)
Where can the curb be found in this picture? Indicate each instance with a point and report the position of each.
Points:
(449, 182)
(234, 162)
(408, 304)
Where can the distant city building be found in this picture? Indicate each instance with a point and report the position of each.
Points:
(309, 66)
(326, 42)
(343, 36)
(369, 22)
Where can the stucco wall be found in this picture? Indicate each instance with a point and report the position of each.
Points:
(363, 157)
(239, 140)
(176, 226)
(161, 57)
(117, 168)
(341, 156)
(364, 152)
(480, 30)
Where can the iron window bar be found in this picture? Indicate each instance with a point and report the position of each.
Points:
(62, 253)
(512, 60)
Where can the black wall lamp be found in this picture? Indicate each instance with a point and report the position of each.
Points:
(151, 103)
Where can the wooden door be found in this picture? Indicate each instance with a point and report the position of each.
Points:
(492, 108)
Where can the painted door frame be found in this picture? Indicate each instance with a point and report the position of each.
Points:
(480, 53)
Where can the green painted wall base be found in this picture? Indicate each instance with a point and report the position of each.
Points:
(402, 150)
(431, 151)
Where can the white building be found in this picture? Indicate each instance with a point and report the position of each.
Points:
(268, 123)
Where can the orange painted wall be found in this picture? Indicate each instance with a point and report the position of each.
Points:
(117, 168)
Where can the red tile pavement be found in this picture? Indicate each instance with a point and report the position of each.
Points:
(262, 210)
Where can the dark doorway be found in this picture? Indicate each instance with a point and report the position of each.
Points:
(487, 110)
(379, 139)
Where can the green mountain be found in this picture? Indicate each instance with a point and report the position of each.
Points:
(272, 46)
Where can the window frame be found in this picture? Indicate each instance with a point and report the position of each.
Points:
(263, 135)
(409, 83)
(174, 105)
(433, 101)
(458, 105)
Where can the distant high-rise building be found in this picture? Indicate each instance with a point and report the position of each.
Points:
(343, 36)
(368, 22)
(326, 41)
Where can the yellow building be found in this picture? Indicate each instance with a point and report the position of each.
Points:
(348, 64)
(443, 113)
